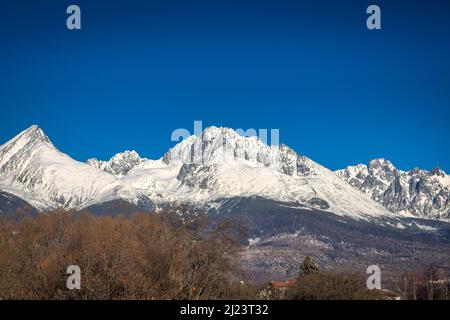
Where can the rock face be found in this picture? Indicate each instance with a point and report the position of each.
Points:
(420, 193)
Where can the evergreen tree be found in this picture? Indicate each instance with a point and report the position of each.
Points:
(308, 267)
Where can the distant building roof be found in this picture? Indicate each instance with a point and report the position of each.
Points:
(283, 284)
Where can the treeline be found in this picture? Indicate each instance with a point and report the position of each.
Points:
(313, 283)
(139, 257)
(428, 284)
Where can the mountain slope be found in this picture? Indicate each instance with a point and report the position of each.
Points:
(417, 192)
(12, 206)
(32, 169)
(281, 234)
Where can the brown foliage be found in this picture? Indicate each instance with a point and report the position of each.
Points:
(141, 257)
(331, 286)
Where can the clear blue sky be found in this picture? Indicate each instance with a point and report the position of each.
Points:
(339, 93)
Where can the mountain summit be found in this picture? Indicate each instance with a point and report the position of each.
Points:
(120, 164)
(32, 169)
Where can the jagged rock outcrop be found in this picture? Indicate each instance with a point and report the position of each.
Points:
(420, 193)
(120, 164)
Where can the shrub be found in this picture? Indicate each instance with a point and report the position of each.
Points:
(331, 286)
(142, 257)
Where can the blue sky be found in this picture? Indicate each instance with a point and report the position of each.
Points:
(339, 93)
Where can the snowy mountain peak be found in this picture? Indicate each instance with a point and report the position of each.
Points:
(381, 164)
(32, 169)
(32, 135)
(213, 131)
(35, 134)
(25, 142)
(217, 145)
(120, 164)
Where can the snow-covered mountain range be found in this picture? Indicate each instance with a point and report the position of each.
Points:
(203, 170)
(417, 192)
